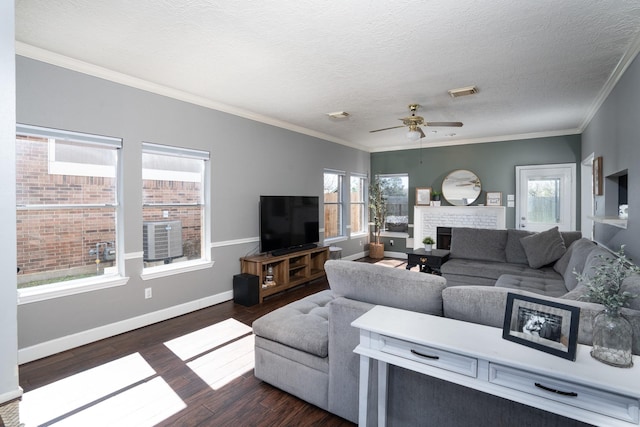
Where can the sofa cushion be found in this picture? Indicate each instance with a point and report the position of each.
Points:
(543, 248)
(596, 258)
(570, 236)
(514, 251)
(302, 324)
(478, 244)
(538, 285)
(493, 270)
(393, 287)
(487, 305)
(573, 260)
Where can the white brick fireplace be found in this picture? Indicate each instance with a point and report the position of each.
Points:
(427, 218)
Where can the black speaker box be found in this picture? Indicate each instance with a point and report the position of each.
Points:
(246, 289)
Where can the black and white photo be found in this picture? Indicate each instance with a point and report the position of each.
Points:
(544, 325)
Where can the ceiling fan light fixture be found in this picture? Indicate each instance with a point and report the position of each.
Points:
(413, 135)
(463, 91)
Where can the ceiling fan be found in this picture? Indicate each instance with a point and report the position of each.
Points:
(414, 122)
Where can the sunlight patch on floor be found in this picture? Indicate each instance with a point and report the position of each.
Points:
(203, 340)
(223, 365)
(142, 406)
(62, 397)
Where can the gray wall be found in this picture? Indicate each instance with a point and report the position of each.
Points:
(247, 159)
(494, 163)
(614, 134)
(8, 321)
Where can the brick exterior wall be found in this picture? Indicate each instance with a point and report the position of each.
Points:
(61, 239)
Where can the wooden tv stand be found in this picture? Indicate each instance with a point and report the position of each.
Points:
(289, 270)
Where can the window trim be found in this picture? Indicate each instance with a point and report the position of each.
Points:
(70, 287)
(396, 175)
(365, 211)
(205, 260)
(88, 284)
(340, 203)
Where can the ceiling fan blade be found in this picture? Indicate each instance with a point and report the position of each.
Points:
(445, 124)
(421, 132)
(379, 130)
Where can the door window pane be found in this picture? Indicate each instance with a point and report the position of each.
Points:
(543, 204)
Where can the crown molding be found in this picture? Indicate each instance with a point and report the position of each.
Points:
(46, 56)
(499, 138)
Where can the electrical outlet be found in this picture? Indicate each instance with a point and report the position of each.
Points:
(391, 242)
(147, 293)
(165, 214)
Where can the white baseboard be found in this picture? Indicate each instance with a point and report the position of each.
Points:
(38, 351)
(400, 255)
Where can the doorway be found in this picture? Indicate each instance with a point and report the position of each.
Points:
(587, 205)
(546, 197)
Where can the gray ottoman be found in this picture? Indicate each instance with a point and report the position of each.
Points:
(292, 348)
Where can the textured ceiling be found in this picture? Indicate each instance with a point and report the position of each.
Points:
(542, 67)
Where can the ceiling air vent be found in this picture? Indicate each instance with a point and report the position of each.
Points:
(463, 91)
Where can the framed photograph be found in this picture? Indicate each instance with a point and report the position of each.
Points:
(423, 196)
(548, 326)
(597, 176)
(494, 198)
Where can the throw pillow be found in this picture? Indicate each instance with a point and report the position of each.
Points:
(573, 259)
(543, 248)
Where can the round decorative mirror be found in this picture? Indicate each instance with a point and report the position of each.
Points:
(461, 187)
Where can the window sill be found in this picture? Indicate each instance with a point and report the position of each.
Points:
(171, 269)
(358, 235)
(58, 290)
(328, 242)
(398, 234)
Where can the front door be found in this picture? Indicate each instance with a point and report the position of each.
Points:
(546, 197)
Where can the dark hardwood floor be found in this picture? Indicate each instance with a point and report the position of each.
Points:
(246, 401)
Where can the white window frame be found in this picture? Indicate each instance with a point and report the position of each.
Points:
(205, 260)
(72, 287)
(385, 232)
(340, 203)
(365, 211)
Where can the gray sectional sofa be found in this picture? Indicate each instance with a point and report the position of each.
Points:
(306, 347)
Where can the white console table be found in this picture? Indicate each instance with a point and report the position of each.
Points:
(476, 356)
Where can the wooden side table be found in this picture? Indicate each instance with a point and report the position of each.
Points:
(429, 262)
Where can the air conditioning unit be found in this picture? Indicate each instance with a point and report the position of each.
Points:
(161, 240)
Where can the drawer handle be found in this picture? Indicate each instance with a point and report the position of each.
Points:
(553, 390)
(428, 356)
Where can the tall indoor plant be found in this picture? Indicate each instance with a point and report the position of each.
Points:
(612, 333)
(378, 208)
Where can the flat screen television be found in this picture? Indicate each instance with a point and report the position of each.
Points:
(288, 223)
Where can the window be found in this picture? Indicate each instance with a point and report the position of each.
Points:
(333, 204)
(395, 188)
(67, 209)
(358, 197)
(174, 186)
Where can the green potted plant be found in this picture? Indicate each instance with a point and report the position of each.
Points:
(612, 333)
(435, 198)
(428, 243)
(378, 208)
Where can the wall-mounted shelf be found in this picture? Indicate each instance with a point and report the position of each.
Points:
(610, 220)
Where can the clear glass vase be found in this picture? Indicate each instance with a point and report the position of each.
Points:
(612, 339)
